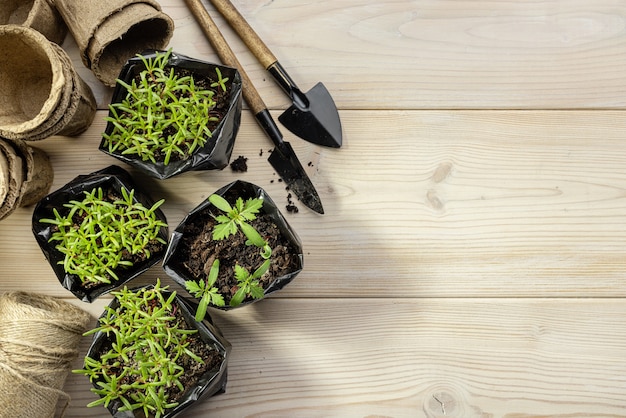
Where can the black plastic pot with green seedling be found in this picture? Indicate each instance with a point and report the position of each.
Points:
(170, 114)
(99, 231)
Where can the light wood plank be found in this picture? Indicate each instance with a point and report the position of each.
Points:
(417, 358)
(454, 203)
(428, 54)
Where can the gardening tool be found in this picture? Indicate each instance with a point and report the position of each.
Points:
(283, 158)
(313, 115)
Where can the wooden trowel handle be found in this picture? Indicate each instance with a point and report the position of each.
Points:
(245, 32)
(225, 53)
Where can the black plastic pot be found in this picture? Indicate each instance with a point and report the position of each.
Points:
(112, 176)
(173, 260)
(216, 153)
(213, 382)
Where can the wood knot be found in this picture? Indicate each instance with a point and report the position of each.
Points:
(445, 402)
(442, 172)
(441, 404)
(434, 201)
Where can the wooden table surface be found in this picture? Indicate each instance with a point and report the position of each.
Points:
(472, 258)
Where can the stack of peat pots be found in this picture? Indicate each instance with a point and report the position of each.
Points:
(40, 15)
(110, 32)
(25, 175)
(42, 94)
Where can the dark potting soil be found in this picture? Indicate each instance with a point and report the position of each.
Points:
(240, 164)
(198, 251)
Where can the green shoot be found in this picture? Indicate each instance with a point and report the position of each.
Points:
(205, 291)
(163, 117)
(221, 81)
(248, 284)
(237, 217)
(148, 348)
(98, 237)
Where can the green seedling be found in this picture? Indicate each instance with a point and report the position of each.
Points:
(248, 284)
(237, 218)
(205, 291)
(163, 116)
(97, 236)
(221, 81)
(149, 346)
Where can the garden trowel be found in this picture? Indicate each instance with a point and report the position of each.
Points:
(283, 158)
(313, 115)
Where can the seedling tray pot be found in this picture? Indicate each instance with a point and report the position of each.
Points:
(211, 383)
(173, 260)
(216, 153)
(43, 95)
(112, 176)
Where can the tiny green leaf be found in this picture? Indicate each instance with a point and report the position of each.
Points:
(220, 203)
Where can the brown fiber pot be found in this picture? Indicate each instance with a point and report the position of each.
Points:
(40, 15)
(108, 33)
(25, 175)
(42, 93)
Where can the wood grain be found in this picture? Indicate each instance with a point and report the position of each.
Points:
(427, 54)
(456, 203)
(471, 261)
(418, 358)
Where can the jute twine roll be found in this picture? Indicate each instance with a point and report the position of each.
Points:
(40, 15)
(42, 94)
(39, 339)
(26, 175)
(108, 33)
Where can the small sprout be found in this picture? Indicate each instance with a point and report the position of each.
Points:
(237, 217)
(248, 284)
(221, 81)
(97, 237)
(206, 292)
(149, 346)
(163, 117)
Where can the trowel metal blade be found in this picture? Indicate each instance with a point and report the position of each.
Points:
(316, 119)
(288, 167)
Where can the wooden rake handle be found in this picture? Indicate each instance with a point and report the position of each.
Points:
(245, 32)
(226, 54)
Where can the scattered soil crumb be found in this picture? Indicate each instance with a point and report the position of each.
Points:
(240, 164)
(291, 207)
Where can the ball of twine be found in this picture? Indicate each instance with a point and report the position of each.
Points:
(39, 339)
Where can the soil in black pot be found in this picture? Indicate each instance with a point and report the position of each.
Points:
(198, 251)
